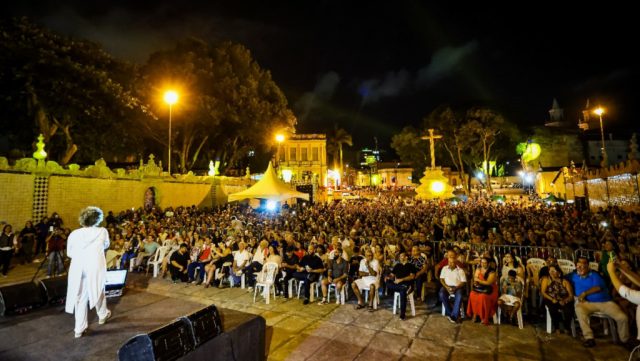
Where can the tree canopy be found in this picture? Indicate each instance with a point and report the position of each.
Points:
(470, 138)
(89, 105)
(71, 91)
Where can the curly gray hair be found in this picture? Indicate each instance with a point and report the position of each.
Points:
(90, 217)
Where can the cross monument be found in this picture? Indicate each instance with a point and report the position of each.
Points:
(432, 146)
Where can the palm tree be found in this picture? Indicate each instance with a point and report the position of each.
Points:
(335, 142)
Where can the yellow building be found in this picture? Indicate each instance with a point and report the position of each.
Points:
(302, 158)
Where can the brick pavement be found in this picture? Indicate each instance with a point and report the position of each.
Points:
(333, 332)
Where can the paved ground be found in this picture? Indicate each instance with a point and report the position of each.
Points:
(332, 332)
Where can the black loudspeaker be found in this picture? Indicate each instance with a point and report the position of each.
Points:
(21, 298)
(205, 324)
(56, 289)
(167, 343)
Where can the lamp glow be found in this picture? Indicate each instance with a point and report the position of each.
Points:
(271, 205)
(437, 187)
(279, 138)
(286, 175)
(599, 111)
(170, 97)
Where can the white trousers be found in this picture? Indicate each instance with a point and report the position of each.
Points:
(82, 307)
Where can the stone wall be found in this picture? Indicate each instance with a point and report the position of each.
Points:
(32, 189)
(16, 198)
(68, 195)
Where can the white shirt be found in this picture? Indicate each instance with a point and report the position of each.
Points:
(374, 266)
(453, 277)
(240, 257)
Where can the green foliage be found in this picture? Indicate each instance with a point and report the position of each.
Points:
(469, 138)
(411, 149)
(228, 104)
(77, 95)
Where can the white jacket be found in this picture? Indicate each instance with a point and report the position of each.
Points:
(85, 247)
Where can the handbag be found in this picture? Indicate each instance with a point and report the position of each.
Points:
(486, 289)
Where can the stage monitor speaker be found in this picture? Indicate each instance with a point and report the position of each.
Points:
(166, 343)
(56, 289)
(21, 298)
(205, 324)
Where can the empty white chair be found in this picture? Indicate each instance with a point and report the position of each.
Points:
(266, 281)
(156, 260)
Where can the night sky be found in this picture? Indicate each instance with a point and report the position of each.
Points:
(373, 68)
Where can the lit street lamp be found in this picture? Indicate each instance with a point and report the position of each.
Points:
(599, 111)
(170, 97)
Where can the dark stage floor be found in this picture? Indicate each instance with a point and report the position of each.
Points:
(47, 333)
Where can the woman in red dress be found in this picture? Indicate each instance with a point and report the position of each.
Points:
(483, 300)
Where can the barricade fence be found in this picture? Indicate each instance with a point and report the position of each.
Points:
(522, 252)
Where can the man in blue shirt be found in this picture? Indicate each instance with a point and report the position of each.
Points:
(592, 295)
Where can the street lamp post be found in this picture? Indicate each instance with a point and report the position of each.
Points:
(599, 111)
(170, 97)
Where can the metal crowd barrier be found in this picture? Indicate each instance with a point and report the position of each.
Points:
(523, 252)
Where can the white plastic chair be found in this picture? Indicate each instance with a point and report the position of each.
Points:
(396, 302)
(313, 289)
(232, 281)
(534, 265)
(266, 280)
(376, 297)
(519, 314)
(566, 266)
(453, 297)
(156, 260)
(340, 298)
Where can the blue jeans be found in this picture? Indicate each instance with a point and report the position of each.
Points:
(55, 259)
(444, 298)
(191, 270)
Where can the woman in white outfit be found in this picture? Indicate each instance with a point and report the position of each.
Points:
(88, 270)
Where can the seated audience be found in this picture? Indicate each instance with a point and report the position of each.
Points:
(483, 298)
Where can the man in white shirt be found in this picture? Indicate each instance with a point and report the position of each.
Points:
(369, 273)
(241, 259)
(453, 280)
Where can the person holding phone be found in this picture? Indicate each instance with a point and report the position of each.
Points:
(627, 293)
(88, 270)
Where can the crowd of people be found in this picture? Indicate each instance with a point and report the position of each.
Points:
(473, 254)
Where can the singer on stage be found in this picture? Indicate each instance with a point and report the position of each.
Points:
(88, 270)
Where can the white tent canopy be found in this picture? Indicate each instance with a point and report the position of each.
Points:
(269, 187)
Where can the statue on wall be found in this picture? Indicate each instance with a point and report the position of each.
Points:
(149, 198)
